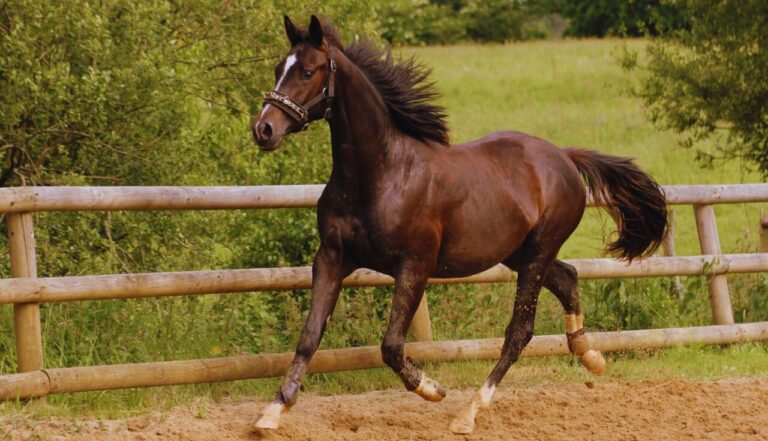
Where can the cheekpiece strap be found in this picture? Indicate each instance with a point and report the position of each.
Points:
(301, 113)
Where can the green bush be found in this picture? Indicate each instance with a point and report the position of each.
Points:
(418, 22)
(154, 93)
(496, 20)
(706, 81)
(598, 18)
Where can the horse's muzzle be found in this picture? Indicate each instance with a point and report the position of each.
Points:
(264, 136)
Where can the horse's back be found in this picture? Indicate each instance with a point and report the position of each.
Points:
(560, 190)
(529, 163)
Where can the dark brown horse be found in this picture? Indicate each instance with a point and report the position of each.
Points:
(403, 201)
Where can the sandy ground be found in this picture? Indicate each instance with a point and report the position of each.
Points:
(735, 409)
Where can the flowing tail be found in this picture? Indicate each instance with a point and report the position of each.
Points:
(633, 199)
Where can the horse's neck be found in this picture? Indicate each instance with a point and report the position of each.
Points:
(360, 128)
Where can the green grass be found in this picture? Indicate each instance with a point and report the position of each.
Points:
(569, 92)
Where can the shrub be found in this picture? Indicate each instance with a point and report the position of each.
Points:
(707, 80)
(417, 22)
(155, 92)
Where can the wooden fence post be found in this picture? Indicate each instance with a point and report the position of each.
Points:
(26, 316)
(668, 245)
(709, 240)
(421, 326)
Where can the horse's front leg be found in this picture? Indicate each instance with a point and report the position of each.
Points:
(409, 287)
(328, 271)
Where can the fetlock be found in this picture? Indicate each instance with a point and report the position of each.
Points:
(289, 392)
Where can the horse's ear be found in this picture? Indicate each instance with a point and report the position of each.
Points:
(315, 31)
(290, 31)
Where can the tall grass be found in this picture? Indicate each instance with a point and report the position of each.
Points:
(570, 92)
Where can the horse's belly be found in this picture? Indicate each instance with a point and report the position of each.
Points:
(462, 269)
(481, 235)
(466, 257)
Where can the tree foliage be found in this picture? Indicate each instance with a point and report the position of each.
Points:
(598, 18)
(415, 22)
(155, 92)
(707, 80)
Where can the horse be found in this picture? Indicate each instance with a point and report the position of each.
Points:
(403, 201)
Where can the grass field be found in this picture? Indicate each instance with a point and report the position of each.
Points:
(573, 94)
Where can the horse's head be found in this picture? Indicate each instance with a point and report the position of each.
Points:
(304, 86)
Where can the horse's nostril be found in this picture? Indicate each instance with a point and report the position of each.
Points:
(262, 132)
(266, 130)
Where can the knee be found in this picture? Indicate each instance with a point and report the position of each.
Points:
(308, 344)
(517, 341)
(392, 354)
(519, 333)
(526, 338)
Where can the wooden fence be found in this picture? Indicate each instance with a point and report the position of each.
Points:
(26, 291)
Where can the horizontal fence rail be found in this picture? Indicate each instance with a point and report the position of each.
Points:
(119, 286)
(34, 199)
(167, 373)
(26, 291)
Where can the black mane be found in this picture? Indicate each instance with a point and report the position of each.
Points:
(405, 89)
(404, 86)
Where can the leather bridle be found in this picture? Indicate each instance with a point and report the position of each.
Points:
(299, 112)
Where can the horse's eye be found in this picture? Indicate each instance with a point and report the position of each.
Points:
(307, 73)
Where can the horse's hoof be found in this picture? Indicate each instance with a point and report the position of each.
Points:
(462, 425)
(270, 417)
(430, 389)
(594, 362)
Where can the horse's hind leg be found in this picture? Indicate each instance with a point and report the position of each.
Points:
(409, 288)
(562, 281)
(531, 273)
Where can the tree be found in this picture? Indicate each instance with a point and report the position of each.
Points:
(707, 80)
(598, 18)
(155, 92)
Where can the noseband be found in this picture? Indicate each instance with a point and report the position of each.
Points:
(299, 112)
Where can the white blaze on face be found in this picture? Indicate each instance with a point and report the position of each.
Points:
(289, 62)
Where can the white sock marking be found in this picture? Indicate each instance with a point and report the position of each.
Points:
(485, 393)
